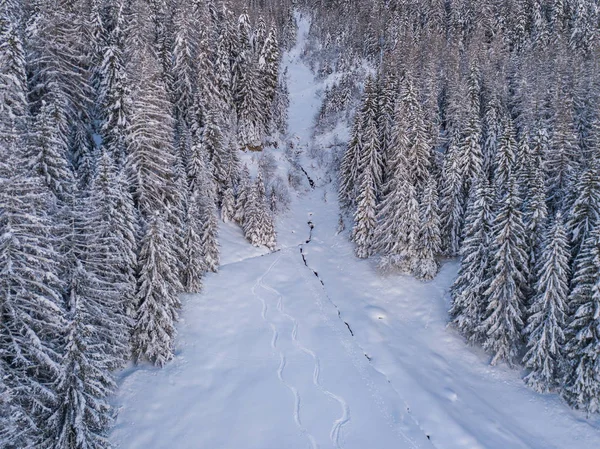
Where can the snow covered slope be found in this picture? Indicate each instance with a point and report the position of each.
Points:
(309, 347)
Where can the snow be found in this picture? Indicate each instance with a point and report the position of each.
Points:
(272, 355)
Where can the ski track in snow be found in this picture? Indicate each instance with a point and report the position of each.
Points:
(345, 418)
(282, 358)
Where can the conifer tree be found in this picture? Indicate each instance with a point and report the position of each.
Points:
(228, 205)
(365, 216)
(453, 197)
(533, 193)
(184, 71)
(250, 123)
(547, 315)
(49, 153)
(429, 244)
(194, 266)
(158, 303)
(209, 234)
(114, 93)
(582, 389)
(398, 220)
(268, 67)
(13, 82)
(151, 157)
(218, 152)
(560, 163)
(112, 243)
(280, 106)
(585, 210)
(505, 298)
(349, 166)
(258, 222)
(85, 382)
(243, 192)
(469, 302)
(31, 306)
(505, 163)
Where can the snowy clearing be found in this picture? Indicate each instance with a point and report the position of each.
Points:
(309, 347)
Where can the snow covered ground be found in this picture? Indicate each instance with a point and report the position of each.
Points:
(309, 347)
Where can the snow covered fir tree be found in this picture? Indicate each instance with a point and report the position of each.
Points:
(133, 132)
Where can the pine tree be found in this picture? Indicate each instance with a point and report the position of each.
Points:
(151, 157)
(158, 303)
(398, 220)
(48, 152)
(228, 205)
(258, 222)
(243, 192)
(268, 67)
(194, 267)
(429, 244)
(585, 211)
(453, 198)
(31, 305)
(85, 382)
(582, 347)
(112, 245)
(349, 166)
(209, 234)
(547, 315)
(468, 299)
(503, 323)
(114, 99)
(365, 217)
(250, 112)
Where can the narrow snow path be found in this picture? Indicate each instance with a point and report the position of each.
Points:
(309, 347)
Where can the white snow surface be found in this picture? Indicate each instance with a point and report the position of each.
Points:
(273, 356)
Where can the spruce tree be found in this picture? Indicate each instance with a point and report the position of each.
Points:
(258, 222)
(158, 303)
(429, 244)
(268, 67)
(468, 299)
(228, 205)
(49, 152)
(453, 197)
(585, 210)
(504, 319)
(547, 315)
(349, 166)
(114, 99)
(581, 387)
(365, 216)
(194, 266)
(243, 192)
(85, 383)
(32, 314)
(209, 233)
(112, 245)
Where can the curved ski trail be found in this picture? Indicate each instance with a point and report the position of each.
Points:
(282, 359)
(334, 434)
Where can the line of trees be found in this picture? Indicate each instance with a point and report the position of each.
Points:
(479, 136)
(120, 126)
